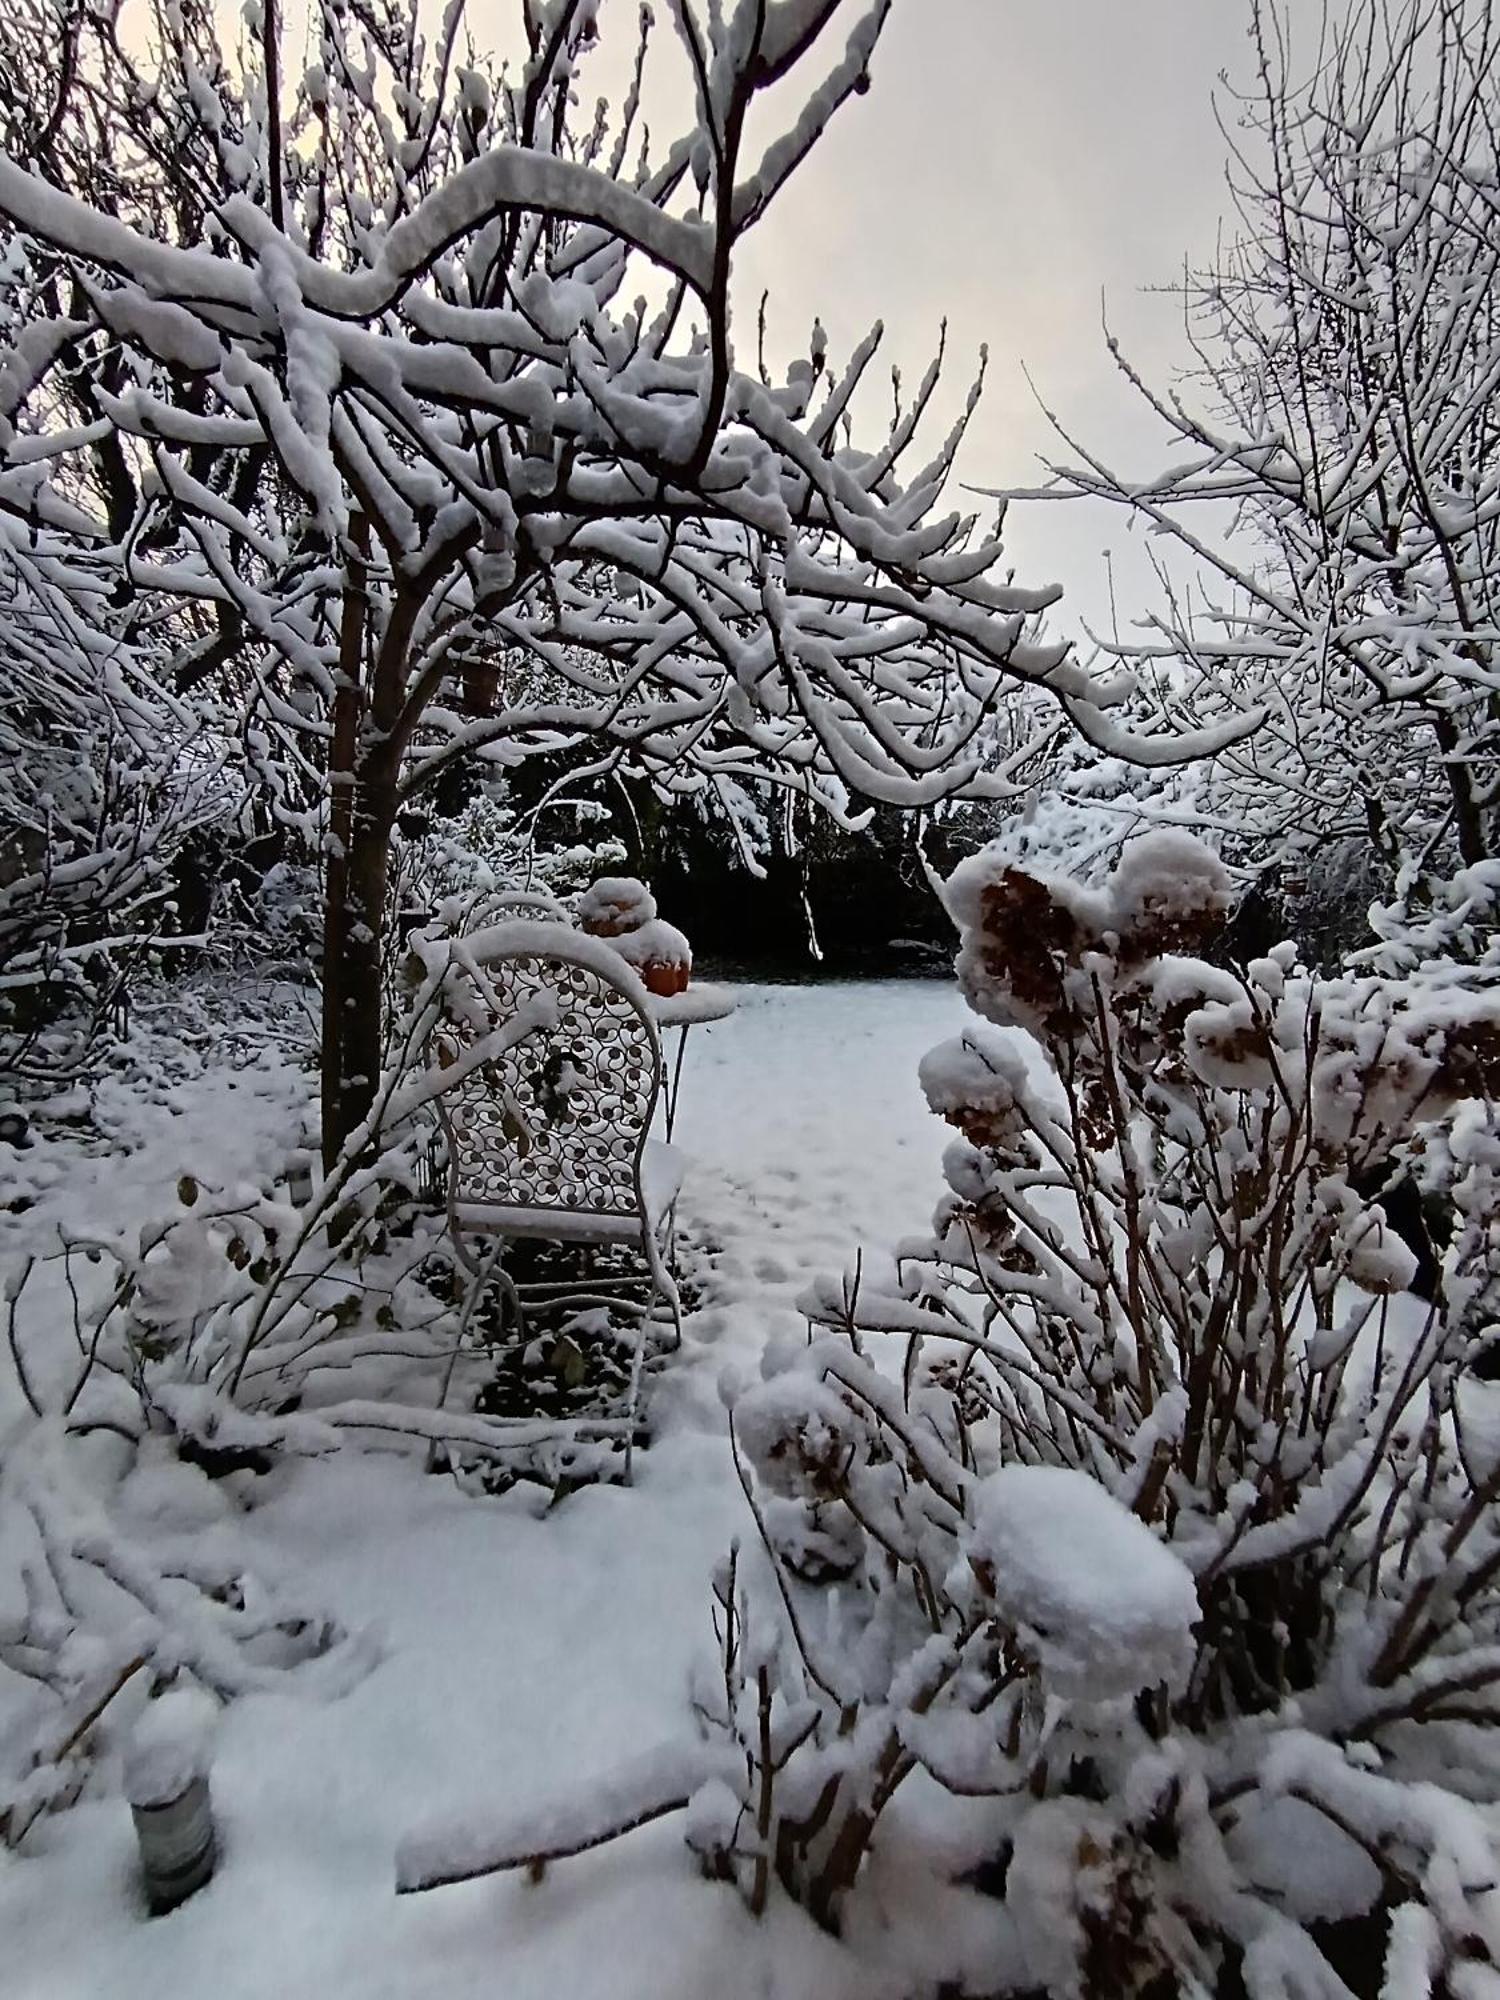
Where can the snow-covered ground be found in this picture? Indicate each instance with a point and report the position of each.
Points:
(517, 1654)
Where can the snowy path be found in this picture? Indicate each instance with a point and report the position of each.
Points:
(520, 1654)
(811, 1141)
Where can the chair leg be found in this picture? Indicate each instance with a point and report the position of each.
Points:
(483, 1270)
(664, 1281)
(633, 1398)
(665, 1286)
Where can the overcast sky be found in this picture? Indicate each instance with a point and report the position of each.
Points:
(1016, 165)
(1014, 162)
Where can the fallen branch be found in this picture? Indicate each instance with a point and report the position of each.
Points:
(650, 1788)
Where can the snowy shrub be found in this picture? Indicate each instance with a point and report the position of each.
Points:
(104, 775)
(133, 1573)
(1174, 1516)
(150, 1374)
(1143, 1514)
(1448, 919)
(461, 871)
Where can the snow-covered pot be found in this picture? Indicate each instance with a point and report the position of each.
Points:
(622, 911)
(614, 906)
(659, 953)
(166, 1781)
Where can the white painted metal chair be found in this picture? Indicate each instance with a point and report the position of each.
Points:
(549, 1136)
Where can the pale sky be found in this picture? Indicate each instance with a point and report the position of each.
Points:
(1015, 165)
(1014, 162)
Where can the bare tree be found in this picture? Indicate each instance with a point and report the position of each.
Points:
(1334, 497)
(442, 491)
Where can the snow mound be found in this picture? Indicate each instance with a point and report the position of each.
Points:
(1167, 878)
(170, 1746)
(1105, 1607)
(615, 905)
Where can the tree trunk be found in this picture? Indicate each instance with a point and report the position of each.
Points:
(1472, 844)
(354, 946)
(364, 789)
(361, 817)
(360, 1027)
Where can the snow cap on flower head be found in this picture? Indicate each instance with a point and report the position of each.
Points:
(616, 904)
(1099, 1600)
(977, 1082)
(1026, 930)
(1021, 933)
(1168, 891)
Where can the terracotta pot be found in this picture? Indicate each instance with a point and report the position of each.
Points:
(664, 976)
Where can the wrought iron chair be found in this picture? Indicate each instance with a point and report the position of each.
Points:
(549, 1133)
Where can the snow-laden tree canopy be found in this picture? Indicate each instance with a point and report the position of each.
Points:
(420, 382)
(394, 336)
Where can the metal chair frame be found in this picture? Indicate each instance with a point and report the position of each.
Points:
(549, 1140)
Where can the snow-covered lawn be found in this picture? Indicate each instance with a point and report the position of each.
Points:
(516, 1654)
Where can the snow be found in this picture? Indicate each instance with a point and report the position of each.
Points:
(170, 1746)
(453, 1850)
(1164, 875)
(789, 1423)
(1379, 1261)
(518, 1652)
(1098, 1599)
(974, 1081)
(653, 943)
(1044, 1869)
(700, 1002)
(1315, 1870)
(615, 902)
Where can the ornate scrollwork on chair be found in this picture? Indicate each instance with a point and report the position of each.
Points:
(558, 1121)
(549, 1132)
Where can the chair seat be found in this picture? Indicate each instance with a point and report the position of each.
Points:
(662, 1169)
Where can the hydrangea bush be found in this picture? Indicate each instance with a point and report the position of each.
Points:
(1145, 1502)
(1141, 1531)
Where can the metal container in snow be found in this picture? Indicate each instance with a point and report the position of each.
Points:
(178, 1845)
(166, 1781)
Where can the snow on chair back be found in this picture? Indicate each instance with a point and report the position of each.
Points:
(558, 1120)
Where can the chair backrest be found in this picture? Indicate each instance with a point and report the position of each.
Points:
(559, 1120)
(526, 903)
